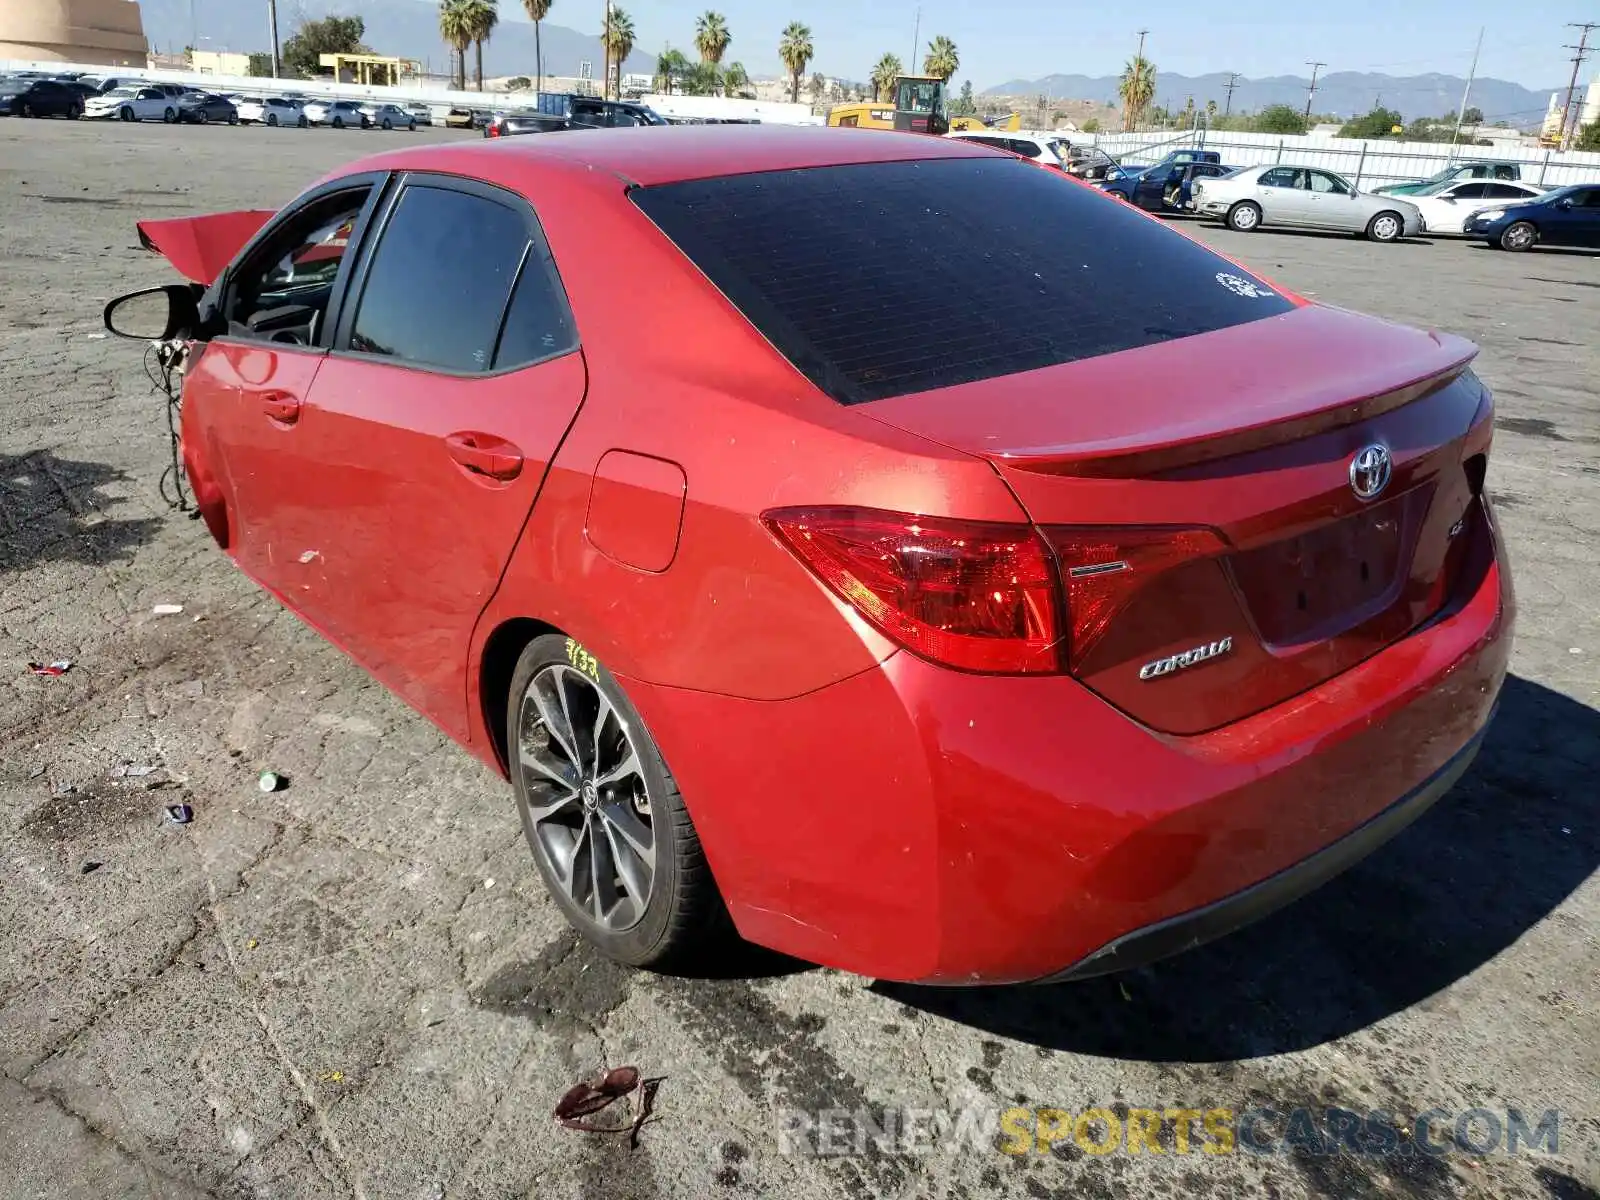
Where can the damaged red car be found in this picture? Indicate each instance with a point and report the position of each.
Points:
(875, 546)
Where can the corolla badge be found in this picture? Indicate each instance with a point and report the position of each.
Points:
(1370, 470)
(1189, 658)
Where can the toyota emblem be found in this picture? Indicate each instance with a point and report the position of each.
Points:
(1370, 470)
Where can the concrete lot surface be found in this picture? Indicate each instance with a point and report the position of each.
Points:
(356, 987)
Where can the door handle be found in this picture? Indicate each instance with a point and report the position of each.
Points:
(486, 455)
(280, 406)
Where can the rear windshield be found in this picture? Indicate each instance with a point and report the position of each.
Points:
(881, 279)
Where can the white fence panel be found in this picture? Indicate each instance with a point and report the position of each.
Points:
(1366, 163)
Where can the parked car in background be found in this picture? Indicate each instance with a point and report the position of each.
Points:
(1164, 188)
(105, 83)
(458, 118)
(1089, 163)
(340, 114)
(201, 108)
(1445, 207)
(1177, 157)
(1042, 148)
(132, 104)
(420, 113)
(1463, 170)
(272, 110)
(388, 116)
(21, 97)
(1305, 198)
(1085, 683)
(561, 110)
(1567, 216)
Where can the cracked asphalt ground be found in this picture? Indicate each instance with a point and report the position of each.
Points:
(355, 985)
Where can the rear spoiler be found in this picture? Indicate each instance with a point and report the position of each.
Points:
(201, 247)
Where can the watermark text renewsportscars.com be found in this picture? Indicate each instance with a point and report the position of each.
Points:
(1119, 1129)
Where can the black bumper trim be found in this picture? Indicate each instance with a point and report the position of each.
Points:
(1198, 926)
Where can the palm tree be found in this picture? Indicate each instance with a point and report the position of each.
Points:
(883, 77)
(942, 59)
(1211, 111)
(671, 66)
(537, 11)
(735, 78)
(617, 35)
(1137, 88)
(795, 49)
(481, 16)
(703, 79)
(711, 36)
(455, 26)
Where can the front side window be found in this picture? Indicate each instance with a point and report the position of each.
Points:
(1586, 198)
(284, 290)
(440, 278)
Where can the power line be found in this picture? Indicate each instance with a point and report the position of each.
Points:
(1581, 53)
(1233, 82)
(1312, 90)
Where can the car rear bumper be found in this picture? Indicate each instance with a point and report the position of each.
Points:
(1209, 922)
(915, 823)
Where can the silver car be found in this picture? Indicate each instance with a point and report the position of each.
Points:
(1304, 197)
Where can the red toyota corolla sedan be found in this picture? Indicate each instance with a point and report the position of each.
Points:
(943, 571)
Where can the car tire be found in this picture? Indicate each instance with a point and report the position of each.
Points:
(1386, 226)
(1244, 217)
(125, 113)
(302, 123)
(170, 116)
(74, 112)
(272, 119)
(233, 118)
(1518, 236)
(27, 110)
(412, 127)
(388, 125)
(201, 117)
(682, 918)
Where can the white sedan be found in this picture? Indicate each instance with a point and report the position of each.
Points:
(271, 110)
(1445, 207)
(1304, 197)
(132, 104)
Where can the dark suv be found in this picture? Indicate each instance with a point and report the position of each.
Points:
(568, 111)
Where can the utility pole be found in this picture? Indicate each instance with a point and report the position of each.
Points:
(1140, 53)
(1581, 52)
(272, 23)
(1233, 82)
(1312, 90)
(1461, 114)
(916, 38)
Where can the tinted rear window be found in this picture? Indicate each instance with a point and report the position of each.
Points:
(881, 279)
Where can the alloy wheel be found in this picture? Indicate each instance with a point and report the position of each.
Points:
(1385, 228)
(589, 811)
(1519, 237)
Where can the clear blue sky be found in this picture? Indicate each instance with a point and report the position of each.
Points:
(1010, 39)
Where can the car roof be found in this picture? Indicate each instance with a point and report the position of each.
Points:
(656, 155)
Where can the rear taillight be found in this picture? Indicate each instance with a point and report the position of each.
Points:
(983, 596)
(1104, 568)
(969, 594)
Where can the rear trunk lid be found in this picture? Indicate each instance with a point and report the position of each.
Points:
(1201, 498)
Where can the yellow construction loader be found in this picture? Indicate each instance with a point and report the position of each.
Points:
(919, 107)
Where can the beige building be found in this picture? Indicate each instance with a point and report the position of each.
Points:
(219, 62)
(103, 32)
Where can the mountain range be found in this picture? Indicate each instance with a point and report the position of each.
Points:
(405, 28)
(1344, 93)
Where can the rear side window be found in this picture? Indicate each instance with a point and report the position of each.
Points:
(439, 280)
(880, 279)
